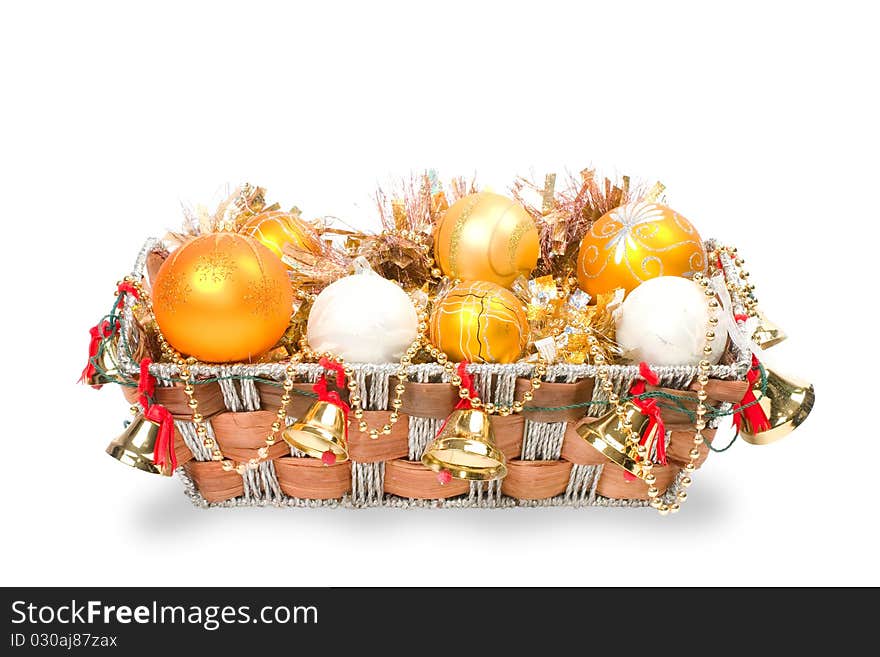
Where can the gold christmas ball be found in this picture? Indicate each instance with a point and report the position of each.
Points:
(486, 237)
(275, 229)
(480, 322)
(635, 242)
(222, 297)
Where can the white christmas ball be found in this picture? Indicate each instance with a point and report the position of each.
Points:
(664, 321)
(363, 318)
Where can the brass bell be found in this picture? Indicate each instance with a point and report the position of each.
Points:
(466, 449)
(767, 334)
(136, 444)
(106, 370)
(322, 429)
(786, 403)
(607, 435)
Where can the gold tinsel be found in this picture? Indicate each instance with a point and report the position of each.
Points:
(564, 217)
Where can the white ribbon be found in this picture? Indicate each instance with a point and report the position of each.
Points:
(728, 319)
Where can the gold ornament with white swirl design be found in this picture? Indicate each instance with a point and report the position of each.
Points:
(636, 242)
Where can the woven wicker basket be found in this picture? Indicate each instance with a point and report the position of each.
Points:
(548, 462)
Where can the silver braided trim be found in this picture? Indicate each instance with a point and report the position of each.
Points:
(542, 441)
(261, 483)
(187, 430)
(367, 483)
(581, 482)
(485, 494)
(227, 387)
(422, 431)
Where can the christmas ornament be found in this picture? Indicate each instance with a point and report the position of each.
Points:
(222, 297)
(480, 322)
(277, 229)
(486, 237)
(362, 318)
(323, 431)
(767, 334)
(465, 449)
(637, 242)
(607, 434)
(662, 322)
(136, 445)
(786, 403)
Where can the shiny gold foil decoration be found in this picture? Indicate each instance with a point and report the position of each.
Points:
(277, 229)
(634, 243)
(222, 297)
(486, 237)
(480, 322)
(563, 314)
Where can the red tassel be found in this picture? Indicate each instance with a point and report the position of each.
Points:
(125, 286)
(97, 333)
(163, 452)
(146, 384)
(334, 366)
(655, 420)
(328, 458)
(467, 383)
(331, 396)
(752, 413)
(648, 374)
(444, 477)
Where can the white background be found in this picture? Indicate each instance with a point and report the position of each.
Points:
(761, 119)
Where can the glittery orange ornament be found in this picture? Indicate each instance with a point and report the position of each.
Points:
(486, 237)
(480, 322)
(275, 229)
(222, 297)
(635, 242)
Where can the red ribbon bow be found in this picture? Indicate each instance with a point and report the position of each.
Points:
(102, 331)
(655, 426)
(332, 396)
(163, 451)
(467, 383)
(649, 407)
(97, 333)
(752, 412)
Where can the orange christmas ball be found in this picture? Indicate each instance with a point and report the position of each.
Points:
(635, 242)
(222, 297)
(276, 229)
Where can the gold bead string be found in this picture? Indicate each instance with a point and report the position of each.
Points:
(184, 365)
(517, 406)
(705, 367)
(355, 398)
(743, 288)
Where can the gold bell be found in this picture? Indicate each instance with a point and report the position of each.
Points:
(767, 334)
(466, 448)
(106, 370)
(135, 445)
(786, 403)
(321, 430)
(607, 435)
